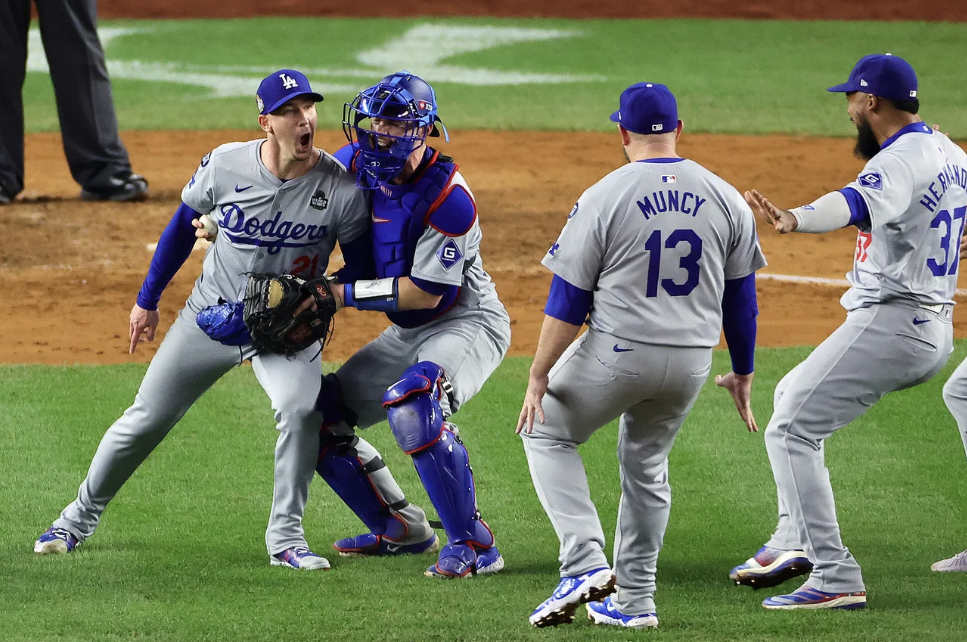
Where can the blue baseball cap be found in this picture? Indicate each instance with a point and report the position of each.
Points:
(883, 75)
(647, 108)
(282, 86)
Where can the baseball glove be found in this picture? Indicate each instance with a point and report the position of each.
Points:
(271, 311)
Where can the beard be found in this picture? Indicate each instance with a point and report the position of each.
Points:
(866, 144)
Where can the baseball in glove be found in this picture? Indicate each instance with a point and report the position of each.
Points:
(287, 314)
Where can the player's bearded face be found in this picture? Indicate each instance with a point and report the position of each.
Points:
(866, 144)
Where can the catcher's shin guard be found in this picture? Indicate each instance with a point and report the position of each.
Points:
(417, 421)
(357, 474)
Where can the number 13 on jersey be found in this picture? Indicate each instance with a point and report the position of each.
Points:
(688, 262)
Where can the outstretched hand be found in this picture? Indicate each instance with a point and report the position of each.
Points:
(740, 387)
(783, 220)
(143, 325)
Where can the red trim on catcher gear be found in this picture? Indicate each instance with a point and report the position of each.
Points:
(425, 446)
(429, 385)
(424, 166)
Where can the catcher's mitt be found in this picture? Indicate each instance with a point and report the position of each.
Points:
(270, 312)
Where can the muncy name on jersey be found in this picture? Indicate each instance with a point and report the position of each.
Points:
(670, 200)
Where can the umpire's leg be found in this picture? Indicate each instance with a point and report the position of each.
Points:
(85, 105)
(14, 25)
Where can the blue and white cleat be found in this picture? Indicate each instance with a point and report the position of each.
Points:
(809, 598)
(462, 560)
(55, 541)
(369, 544)
(771, 567)
(301, 558)
(605, 613)
(572, 592)
(956, 564)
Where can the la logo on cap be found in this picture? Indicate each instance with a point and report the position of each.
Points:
(288, 82)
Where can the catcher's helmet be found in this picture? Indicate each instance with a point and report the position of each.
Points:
(401, 97)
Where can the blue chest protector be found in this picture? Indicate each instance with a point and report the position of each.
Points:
(400, 217)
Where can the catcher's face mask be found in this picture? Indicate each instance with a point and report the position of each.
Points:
(388, 122)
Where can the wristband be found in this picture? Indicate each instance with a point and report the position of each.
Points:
(380, 295)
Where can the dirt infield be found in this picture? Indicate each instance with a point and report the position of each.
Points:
(70, 270)
(935, 10)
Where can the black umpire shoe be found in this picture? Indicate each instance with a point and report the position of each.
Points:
(5, 198)
(125, 186)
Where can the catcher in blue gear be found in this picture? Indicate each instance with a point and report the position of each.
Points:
(449, 332)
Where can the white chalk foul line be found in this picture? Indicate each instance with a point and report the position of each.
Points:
(815, 280)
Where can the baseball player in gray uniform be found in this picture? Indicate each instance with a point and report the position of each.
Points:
(449, 333)
(909, 205)
(663, 254)
(281, 204)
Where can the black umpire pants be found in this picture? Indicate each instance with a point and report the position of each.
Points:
(85, 105)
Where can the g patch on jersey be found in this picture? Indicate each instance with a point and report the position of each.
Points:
(871, 180)
(449, 254)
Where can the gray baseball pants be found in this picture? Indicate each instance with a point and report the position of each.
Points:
(955, 397)
(652, 389)
(877, 350)
(186, 365)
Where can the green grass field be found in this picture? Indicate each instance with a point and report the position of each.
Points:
(729, 75)
(179, 554)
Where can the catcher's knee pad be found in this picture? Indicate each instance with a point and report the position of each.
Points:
(353, 475)
(413, 406)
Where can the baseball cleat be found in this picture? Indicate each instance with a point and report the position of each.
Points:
(462, 560)
(55, 541)
(369, 544)
(301, 558)
(956, 564)
(572, 592)
(605, 613)
(771, 567)
(806, 597)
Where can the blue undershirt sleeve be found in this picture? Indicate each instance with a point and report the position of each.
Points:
(858, 210)
(358, 255)
(173, 249)
(739, 310)
(568, 303)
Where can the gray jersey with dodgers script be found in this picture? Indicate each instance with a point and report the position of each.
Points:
(655, 241)
(266, 224)
(915, 189)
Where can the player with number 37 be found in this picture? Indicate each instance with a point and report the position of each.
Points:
(908, 204)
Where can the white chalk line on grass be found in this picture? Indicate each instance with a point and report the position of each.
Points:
(816, 280)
